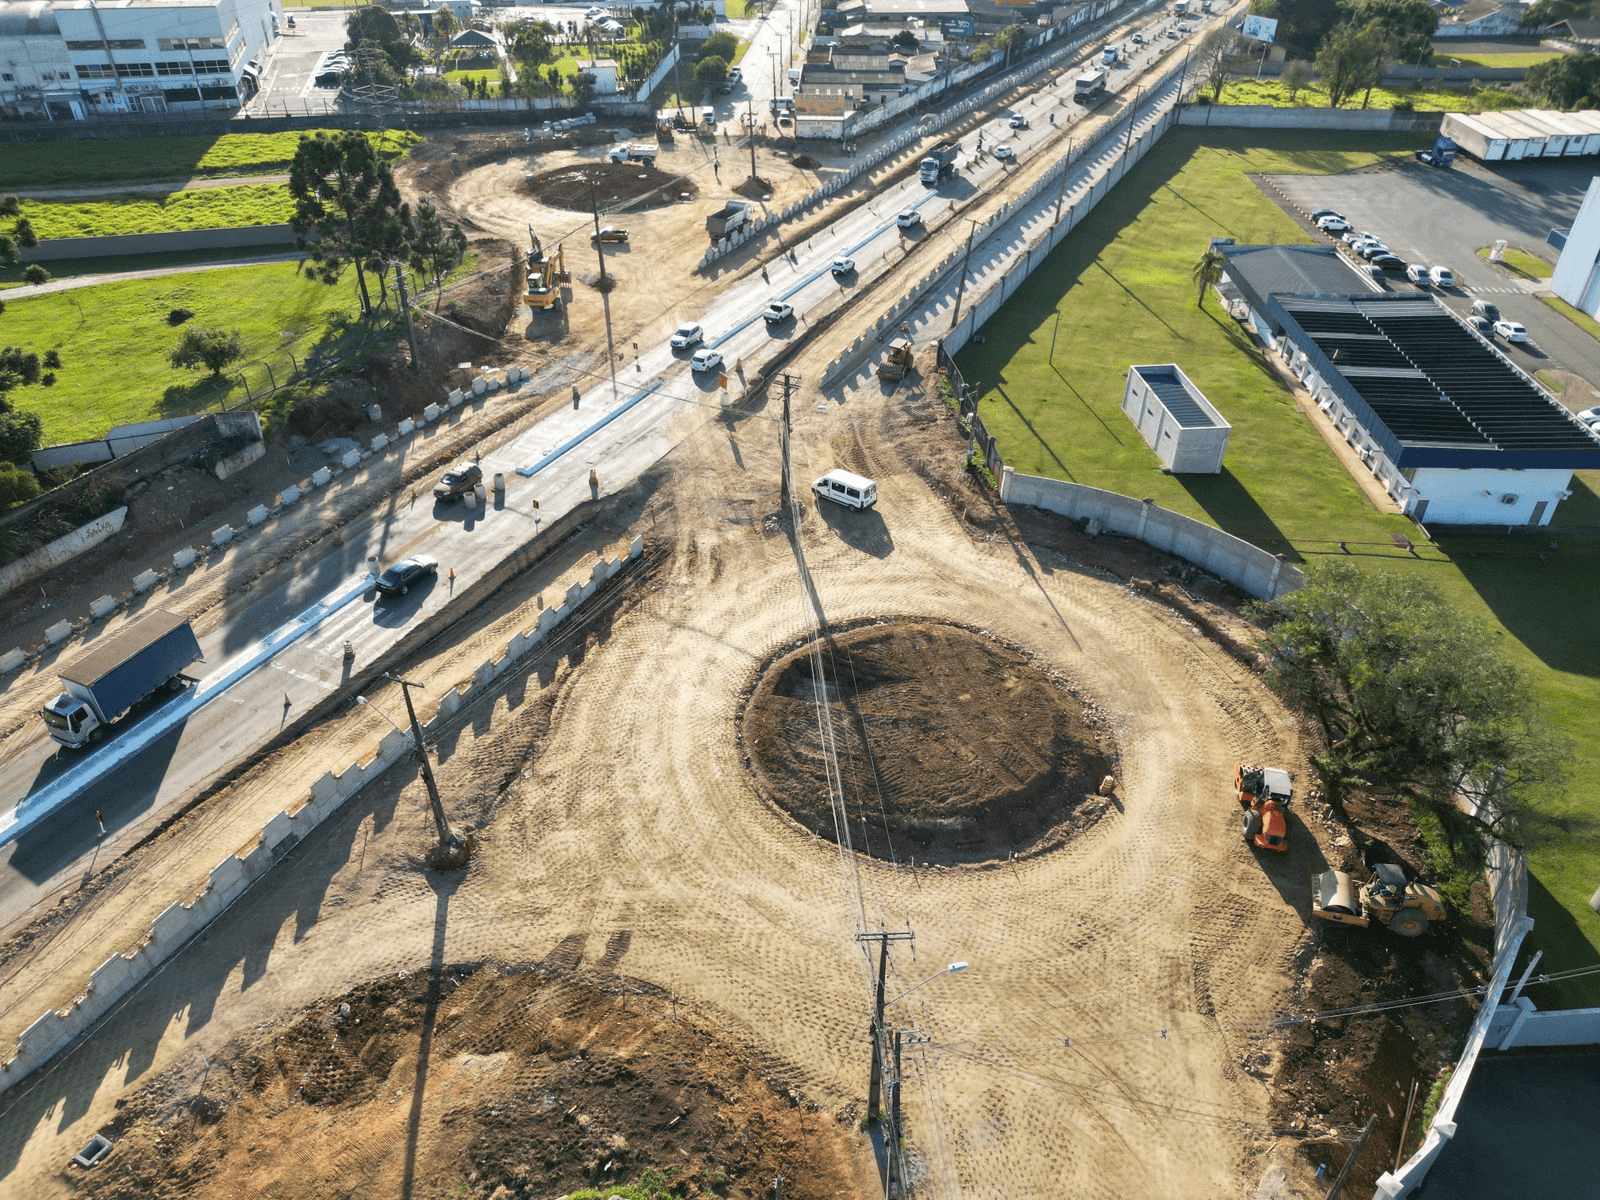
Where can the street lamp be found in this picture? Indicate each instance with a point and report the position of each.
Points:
(954, 968)
(452, 850)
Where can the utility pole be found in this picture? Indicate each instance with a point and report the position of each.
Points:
(599, 246)
(452, 850)
(1349, 1163)
(955, 317)
(750, 133)
(791, 385)
(875, 1081)
(405, 307)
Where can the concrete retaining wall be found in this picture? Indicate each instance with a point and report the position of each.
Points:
(121, 974)
(250, 237)
(1371, 120)
(71, 545)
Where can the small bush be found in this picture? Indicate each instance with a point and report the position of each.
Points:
(18, 485)
(178, 316)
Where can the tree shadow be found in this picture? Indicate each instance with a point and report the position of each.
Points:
(186, 399)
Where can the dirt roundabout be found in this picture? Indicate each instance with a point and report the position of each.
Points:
(637, 185)
(963, 748)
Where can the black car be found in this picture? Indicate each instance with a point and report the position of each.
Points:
(1389, 262)
(398, 579)
(458, 481)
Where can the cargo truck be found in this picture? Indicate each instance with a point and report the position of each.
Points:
(1090, 87)
(1108, 55)
(129, 666)
(730, 217)
(939, 164)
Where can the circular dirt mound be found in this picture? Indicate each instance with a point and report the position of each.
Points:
(635, 184)
(952, 747)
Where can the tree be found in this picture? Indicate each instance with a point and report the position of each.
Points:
(372, 25)
(906, 42)
(583, 86)
(1217, 52)
(436, 248)
(1566, 82)
(1417, 705)
(1405, 26)
(209, 348)
(1208, 272)
(20, 434)
(1295, 77)
(18, 484)
(347, 207)
(1302, 24)
(445, 25)
(1347, 61)
(719, 45)
(710, 71)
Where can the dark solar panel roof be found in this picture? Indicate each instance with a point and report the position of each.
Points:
(1185, 410)
(1431, 381)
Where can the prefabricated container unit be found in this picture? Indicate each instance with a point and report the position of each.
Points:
(1555, 137)
(1189, 437)
(1474, 137)
(1577, 136)
(1521, 142)
(1589, 122)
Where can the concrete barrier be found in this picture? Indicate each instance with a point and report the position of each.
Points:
(431, 413)
(13, 660)
(350, 459)
(406, 427)
(379, 442)
(457, 398)
(58, 633)
(103, 606)
(479, 386)
(257, 515)
(145, 580)
(239, 460)
(66, 547)
(321, 476)
(289, 495)
(222, 535)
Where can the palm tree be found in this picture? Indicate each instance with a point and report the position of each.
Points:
(1208, 272)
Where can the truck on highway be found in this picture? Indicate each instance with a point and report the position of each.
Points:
(1090, 87)
(730, 217)
(938, 164)
(127, 667)
(1108, 55)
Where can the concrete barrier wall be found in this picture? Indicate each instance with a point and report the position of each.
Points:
(1371, 120)
(1519, 1025)
(249, 237)
(121, 974)
(61, 550)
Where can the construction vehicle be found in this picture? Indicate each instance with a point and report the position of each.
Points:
(730, 217)
(545, 271)
(938, 164)
(1386, 899)
(897, 362)
(124, 669)
(1264, 794)
(1090, 87)
(633, 152)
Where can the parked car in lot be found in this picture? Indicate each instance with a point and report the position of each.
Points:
(1370, 250)
(458, 481)
(1486, 309)
(1326, 212)
(688, 334)
(705, 360)
(1512, 331)
(777, 312)
(1388, 262)
(408, 572)
(842, 267)
(909, 218)
(1442, 276)
(1333, 224)
(1482, 325)
(1419, 275)
(1591, 417)
(1351, 238)
(1005, 153)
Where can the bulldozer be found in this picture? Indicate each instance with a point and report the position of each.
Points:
(1386, 899)
(1264, 794)
(544, 273)
(898, 361)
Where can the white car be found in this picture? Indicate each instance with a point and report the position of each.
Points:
(1591, 417)
(1512, 331)
(687, 335)
(1137, 39)
(594, 14)
(909, 218)
(1005, 153)
(1183, 27)
(842, 266)
(1018, 121)
(705, 360)
(1442, 277)
(1333, 225)
(777, 312)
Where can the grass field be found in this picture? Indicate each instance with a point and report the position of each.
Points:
(71, 268)
(490, 74)
(137, 160)
(1508, 61)
(1051, 395)
(1271, 93)
(114, 340)
(200, 208)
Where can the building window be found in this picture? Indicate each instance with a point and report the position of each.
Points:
(211, 66)
(8, 78)
(47, 76)
(219, 93)
(194, 43)
(134, 70)
(174, 68)
(95, 71)
(118, 44)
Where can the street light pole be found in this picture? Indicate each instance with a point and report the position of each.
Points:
(452, 850)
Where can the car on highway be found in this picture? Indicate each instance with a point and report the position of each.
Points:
(705, 360)
(1173, 34)
(1333, 224)
(688, 334)
(458, 481)
(1388, 262)
(1137, 39)
(1005, 153)
(609, 233)
(400, 578)
(842, 267)
(909, 218)
(1018, 121)
(1486, 309)
(1512, 331)
(1183, 27)
(777, 312)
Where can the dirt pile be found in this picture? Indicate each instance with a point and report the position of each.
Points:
(580, 187)
(970, 750)
(534, 1083)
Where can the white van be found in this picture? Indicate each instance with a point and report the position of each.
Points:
(847, 488)
(1419, 275)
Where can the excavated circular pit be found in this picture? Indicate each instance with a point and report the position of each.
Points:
(952, 747)
(637, 185)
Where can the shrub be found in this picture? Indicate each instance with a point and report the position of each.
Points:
(17, 485)
(178, 316)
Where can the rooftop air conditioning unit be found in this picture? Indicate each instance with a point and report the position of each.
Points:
(1508, 498)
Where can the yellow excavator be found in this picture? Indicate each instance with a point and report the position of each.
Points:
(545, 272)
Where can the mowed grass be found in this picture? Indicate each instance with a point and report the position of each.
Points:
(1508, 61)
(1120, 291)
(1273, 94)
(197, 208)
(114, 340)
(134, 160)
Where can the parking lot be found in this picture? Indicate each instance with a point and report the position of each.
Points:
(1430, 215)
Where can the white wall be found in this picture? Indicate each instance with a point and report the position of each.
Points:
(1479, 497)
(1576, 279)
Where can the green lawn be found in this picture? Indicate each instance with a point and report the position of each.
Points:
(1273, 94)
(1508, 61)
(135, 160)
(199, 208)
(114, 340)
(1120, 291)
(490, 74)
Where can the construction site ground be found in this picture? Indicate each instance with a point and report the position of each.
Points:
(650, 964)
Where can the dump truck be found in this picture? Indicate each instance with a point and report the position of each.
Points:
(897, 362)
(634, 152)
(1386, 899)
(125, 668)
(938, 164)
(730, 217)
(1090, 87)
(1264, 794)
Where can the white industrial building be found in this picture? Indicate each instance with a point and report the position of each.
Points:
(66, 60)
(1175, 419)
(1576, 278)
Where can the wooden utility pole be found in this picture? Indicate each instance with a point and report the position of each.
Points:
(1350, 1163)
(791, 385)
(875, 1081)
